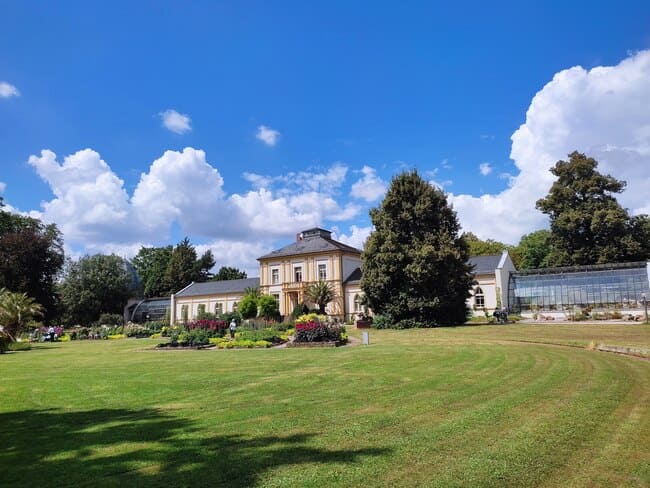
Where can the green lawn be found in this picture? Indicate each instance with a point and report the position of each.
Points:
(465, 406)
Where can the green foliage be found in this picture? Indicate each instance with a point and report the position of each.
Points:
(268, 308)
(19, 346)
(151, 264)
(95, 285)
(478, 247)
(111, 319)
(320, 293)
(298, 310)
(588, 225)
(229, 273)
(31, 259)
(180, 269)
(248, 306)
(227, 317)
(534, 249)
(136, 330)
(4, 342)
(269, 334)
(415, 263)
(16, 310)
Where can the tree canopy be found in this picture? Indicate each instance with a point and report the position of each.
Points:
(533, 249)
(31, 259)
(588, 225)
(415, 269)
(229, 273)
(95, 285)
(165, 270)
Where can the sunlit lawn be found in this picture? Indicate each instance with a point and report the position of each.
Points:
(465, 406)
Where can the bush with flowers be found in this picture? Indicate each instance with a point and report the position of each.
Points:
(212, 327)
(318, 331)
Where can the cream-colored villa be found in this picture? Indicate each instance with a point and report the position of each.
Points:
(285, 274)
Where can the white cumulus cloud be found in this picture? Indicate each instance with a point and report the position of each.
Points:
(175, 121)
(603, 112)
(370, 187)
(356, 237)
(8, 90)
(96, 214)
(267, 135)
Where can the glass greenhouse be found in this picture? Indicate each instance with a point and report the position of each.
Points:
(608, 286)
(149, 309)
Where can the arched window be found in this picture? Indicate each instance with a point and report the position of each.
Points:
(357, 303)
(479, 297)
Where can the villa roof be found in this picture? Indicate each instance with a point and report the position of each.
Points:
(354, 277)
(311, 241)
(485, 264)
(218, 287)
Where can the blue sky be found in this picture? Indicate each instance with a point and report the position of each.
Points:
(299, 113)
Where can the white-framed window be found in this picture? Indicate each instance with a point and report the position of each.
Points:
(218, 308)
(275, 276)
(234, 306)
(297, 274)
(201, 309)
(479, 297)
(276, 296)
(322, 271)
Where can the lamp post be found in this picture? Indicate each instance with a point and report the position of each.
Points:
(645, 306)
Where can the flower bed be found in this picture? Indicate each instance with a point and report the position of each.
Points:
(314, 331)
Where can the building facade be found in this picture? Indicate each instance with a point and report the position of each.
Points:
(285, 274)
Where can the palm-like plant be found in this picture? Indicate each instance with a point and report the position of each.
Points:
(320, 293)
(16, 309)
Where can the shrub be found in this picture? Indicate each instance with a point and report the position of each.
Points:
(382, 322)
(110, 319)
(19, 346)
(116, 336)
(136, 330)
(197, 337)
(315, 331)
(268, 334)
(66, 338)
(213, 327)
(156, 325)
(263, 344)
(298, 310)
(157, 335)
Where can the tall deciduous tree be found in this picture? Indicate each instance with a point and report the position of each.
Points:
(533, 249)
(95, 285)
(588, 225)
(229, 273)
(414, 264)
(151, 264)
(31, 259)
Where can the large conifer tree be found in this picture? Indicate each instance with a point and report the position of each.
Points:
(588, 225)
(415, 269)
